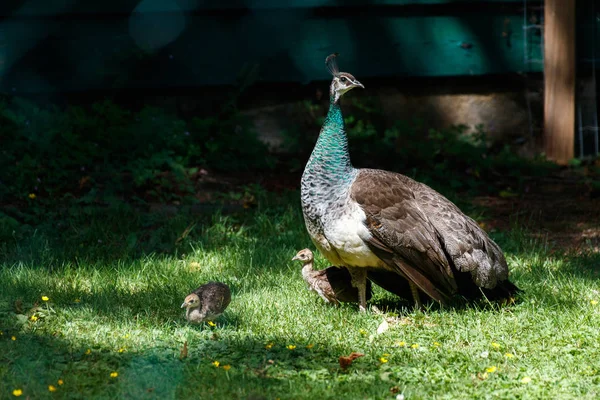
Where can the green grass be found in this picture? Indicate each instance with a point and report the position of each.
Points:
(114, 307)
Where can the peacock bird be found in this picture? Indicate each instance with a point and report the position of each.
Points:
(391, 225)
(332, 284)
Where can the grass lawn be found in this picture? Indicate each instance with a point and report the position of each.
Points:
(112, 327)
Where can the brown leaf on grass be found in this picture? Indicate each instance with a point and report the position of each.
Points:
(184, 351)
(19, 306)
(346, 361)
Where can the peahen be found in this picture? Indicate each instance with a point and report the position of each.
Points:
(374, 220)
(332, 284)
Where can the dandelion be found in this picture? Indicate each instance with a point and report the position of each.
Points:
(593, 302)
(33, 318)
(436, 344)
(269, 345)
(88, 352)
(509, 355)
(383, 360)
(45, 298)
(226, 367)
(216, 363)
(77, 300)
(291, 346)
(526, 379)
(51, 388)
(60, 382)
(491, 369)
(400, 344)
(114, 374)
(210, 323)
(495, 345)
(32, 196)
(122, 349)
(17, 392)
(414, 346)
(310, 346)
(400, 397)
(363, 332)
(13, 338)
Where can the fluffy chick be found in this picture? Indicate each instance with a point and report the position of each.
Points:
(332, 284)
(207, 302)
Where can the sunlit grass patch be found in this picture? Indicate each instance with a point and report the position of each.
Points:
(111, 327)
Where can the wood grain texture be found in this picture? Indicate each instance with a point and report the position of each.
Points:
(559, 80)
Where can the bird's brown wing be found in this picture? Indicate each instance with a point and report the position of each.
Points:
(402, 235)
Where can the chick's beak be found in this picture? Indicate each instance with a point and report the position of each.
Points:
(295, 258)
(184, 304)
(358, 84)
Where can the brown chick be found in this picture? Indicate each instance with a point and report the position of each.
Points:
(332, 284)
(207, 302)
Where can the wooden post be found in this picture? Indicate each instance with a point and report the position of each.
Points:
(559, 80)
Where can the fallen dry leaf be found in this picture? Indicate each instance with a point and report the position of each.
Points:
(19, 306)
(184, 351)
(346, 361)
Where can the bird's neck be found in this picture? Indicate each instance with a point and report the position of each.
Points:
(330, 157)
(307, 269)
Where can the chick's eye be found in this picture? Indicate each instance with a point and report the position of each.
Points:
(343, 79)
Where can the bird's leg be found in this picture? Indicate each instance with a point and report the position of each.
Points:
(415, 294)
(359, 281)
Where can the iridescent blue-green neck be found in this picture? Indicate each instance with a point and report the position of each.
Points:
(330, 156)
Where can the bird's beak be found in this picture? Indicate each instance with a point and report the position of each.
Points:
(295, 258)
(358, 84)
(184, 304)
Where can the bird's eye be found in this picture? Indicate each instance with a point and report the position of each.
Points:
(343, 79)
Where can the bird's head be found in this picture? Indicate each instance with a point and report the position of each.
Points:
(191, 301)
(342, 81)
(304, 255)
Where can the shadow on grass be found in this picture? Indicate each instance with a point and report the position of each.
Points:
(212, 368)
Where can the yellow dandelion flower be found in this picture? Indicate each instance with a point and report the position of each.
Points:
(32, 196)
(77, 300)
(363, 332)
(60, 382)
(226, 367)
(33, 318)
(310, 346)
(491, 369)
(436, 344)
(269, 345)
(45, 298)
(88, 352)
(509, 355)
(210, 323)
(122, 349)
(383, 360)
(593, 302)
(51, 388)
(216, 363)
(400, 344)
(495, 345)
(414, 346)
(13, 338)
(114, 374)
(291, 346)
(126, 336)
(526, 379)
(17, 392)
